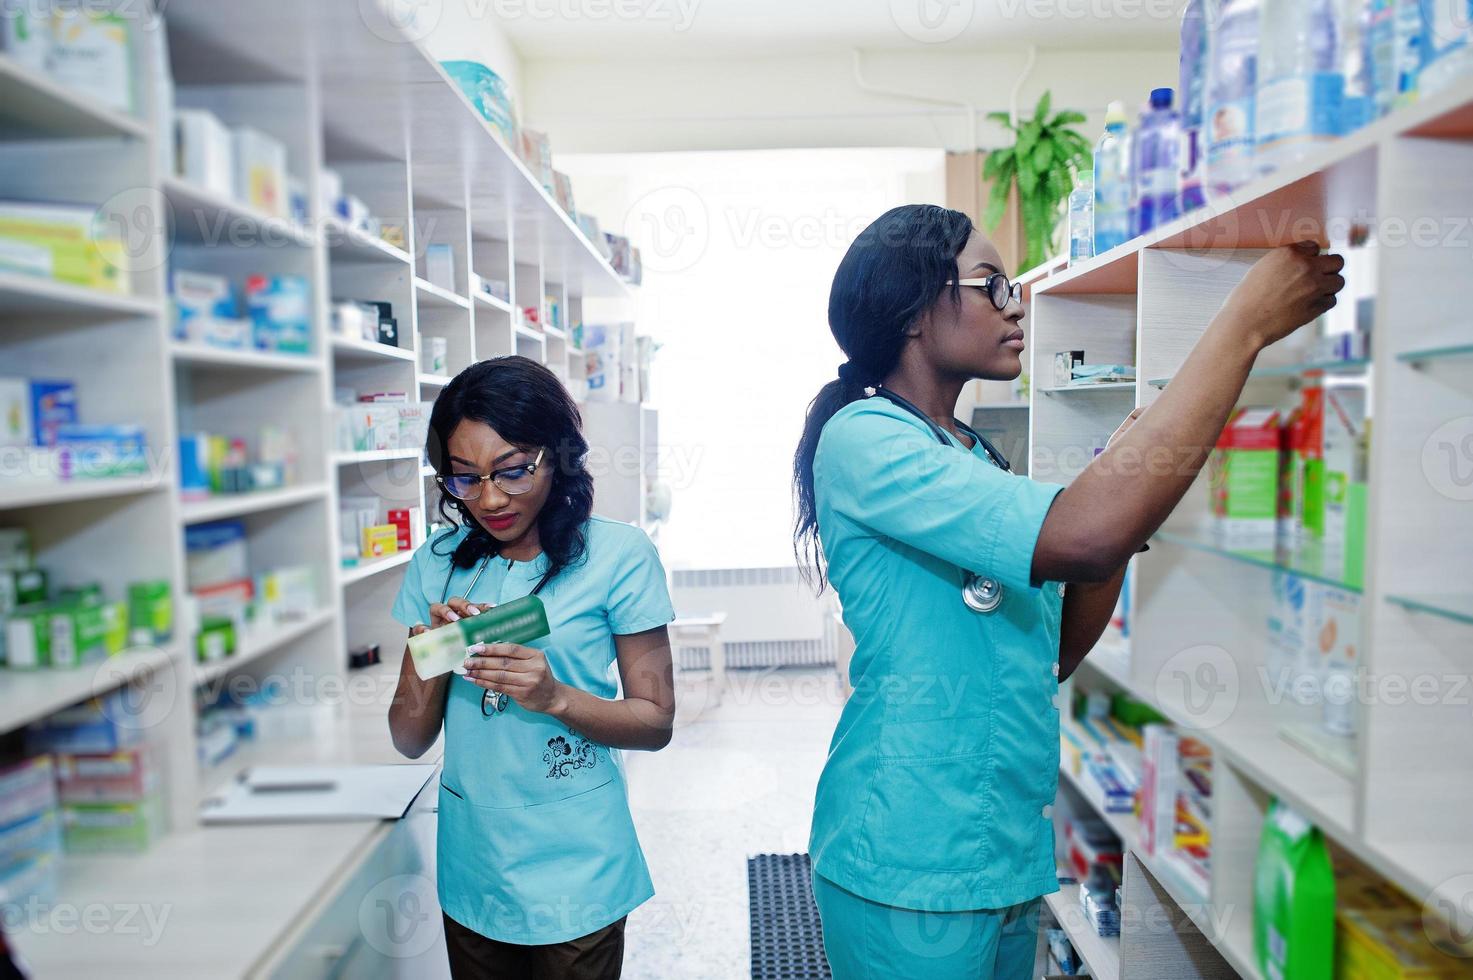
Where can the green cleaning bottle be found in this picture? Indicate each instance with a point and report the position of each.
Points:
(1293, 899)
(440, 650)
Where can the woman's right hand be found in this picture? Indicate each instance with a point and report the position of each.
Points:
(452, 610)
(1284, 290)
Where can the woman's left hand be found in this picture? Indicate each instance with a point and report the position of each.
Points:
(520, 672)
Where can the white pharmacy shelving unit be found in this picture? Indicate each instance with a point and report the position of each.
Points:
(1397, 794)
(341, 86)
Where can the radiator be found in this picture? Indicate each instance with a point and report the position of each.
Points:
(773, 619)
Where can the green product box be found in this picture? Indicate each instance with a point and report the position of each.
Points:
(1243, 474)
(92, 828)
(150, 612)
(89, 594)
(28, 637)
(216, 639)
(114, 627)
(78, 633)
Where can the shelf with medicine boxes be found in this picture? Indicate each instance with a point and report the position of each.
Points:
(277, 264)
(1304, 612)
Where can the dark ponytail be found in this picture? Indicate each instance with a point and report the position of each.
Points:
(895, 270)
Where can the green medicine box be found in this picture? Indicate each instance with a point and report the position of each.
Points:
(150, 612)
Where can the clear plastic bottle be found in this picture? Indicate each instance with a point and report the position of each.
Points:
(1191, 90)
(1230, 96)
(1358, 105)
(1155, 167)
(1082, 217)
(1300, 87)
(1112, 182)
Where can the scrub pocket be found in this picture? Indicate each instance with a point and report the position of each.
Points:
(925, 810)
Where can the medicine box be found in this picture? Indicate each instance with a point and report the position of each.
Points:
(90, 828)
(380, 541)
(215, 552)
(70, 244)
(1243, 473)
(106, 724)
(440, 265)
(289, 592)
(16, 427)
(260, 171)
(432, 357)
(206, 309)
(204, 151)
(27, 788)
(96, 451)
(53, 404)
(25, 37)
(114, 777)
(150, 612)
(280, 309)
(29, 838)
(91, 54)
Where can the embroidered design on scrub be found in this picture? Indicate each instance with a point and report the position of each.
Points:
(562, 756)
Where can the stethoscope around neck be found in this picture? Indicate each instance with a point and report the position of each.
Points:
(980, 593)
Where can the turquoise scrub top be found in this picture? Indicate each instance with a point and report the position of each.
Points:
(937, 793)
(535, 841)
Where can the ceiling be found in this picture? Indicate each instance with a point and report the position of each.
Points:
(686, 29)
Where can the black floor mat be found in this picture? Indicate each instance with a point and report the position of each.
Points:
(787, 942)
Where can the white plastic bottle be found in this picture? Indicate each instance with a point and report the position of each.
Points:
(1358, 105)
(1081, 217)
(1112, 182)
(1230, 97)
(1300, 87)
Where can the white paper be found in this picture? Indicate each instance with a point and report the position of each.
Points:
(358, 793)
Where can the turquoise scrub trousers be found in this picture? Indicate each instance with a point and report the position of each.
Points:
(866, 940)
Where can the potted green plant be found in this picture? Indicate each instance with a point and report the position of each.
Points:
(1042, 161)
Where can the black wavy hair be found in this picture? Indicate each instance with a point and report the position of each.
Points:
(893, 272)
(529, 407)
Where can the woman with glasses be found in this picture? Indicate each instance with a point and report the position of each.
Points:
(932, 837)
(538, 862)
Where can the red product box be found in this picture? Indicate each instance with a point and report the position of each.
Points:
(400, 519)
(118, 777)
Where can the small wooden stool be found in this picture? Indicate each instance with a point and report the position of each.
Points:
(703, 631)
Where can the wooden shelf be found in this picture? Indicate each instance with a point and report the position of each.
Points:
(495, 302)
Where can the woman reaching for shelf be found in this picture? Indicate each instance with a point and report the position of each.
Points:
(932, 840)
(538, 862)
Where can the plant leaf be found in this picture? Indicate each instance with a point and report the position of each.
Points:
(1068, 117)
(1043, 105)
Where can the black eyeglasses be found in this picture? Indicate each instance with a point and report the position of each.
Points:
(997, 288)
(513, 480)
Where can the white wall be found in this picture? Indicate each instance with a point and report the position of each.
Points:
(813, 100)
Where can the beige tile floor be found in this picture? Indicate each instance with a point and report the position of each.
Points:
(737, 779)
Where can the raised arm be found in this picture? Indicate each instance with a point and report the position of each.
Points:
(1127, 492)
